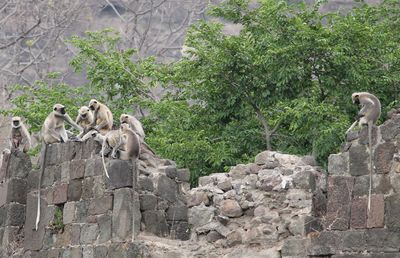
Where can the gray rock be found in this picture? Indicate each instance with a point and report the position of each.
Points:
(121, 174)
(148, 202)
(100, 205)
(177, 213)
(77, 169)
(155, 223)
(100, 251)
(363, 135)
(16, 190)
(183, 175)
(304, 180)
(145, 184)
(206, 180)
(170, 171)
(391, 128)
(383, 156)
(19, 166)
(294, 247)
(15, 214)
(239, 171)
(126, 215)
(338, 164)
(231, 208)
(213, 236)
(74, 190)
(104, 222)
(200, 215)
(392, 209)
(234, 238)
(196, 198)
(358, 158)
(167, 188)
(89, 233)
(265, 157)
(180, 230)
(69, 212)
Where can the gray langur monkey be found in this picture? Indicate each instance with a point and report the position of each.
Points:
(20, 140)
(84, 119)
(135, 125)
(368, 115)
(103, 118)
(53, 131)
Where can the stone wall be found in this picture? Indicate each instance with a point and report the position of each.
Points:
(261, 209)
(83, 213)
(350, 230)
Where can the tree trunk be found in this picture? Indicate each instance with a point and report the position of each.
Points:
(264, 123)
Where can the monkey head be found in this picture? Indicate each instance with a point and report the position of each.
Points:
(84, 111)
(124, 126)
(16, 122)
(91, 134)
(124, 119)
(93, 104)
(59, 110)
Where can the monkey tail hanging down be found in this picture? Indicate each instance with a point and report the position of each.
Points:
(368, 115)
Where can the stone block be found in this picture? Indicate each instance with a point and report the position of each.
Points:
(126, 215)
(200, 215)
(361, 185)
(340, 190)
(74, 192)
(16, 190)
(100, 205)
(155, 223)
(183, 175)
(392, 211)
(15, 214)
(60, 194)
(33, 239)
(65, 177)
(353, 241)
(326, 243)
(19, 165)
(3, 194)
(294, 247)
(180, 230)
(390, 129)
(319, 202)
(101, 252)
(99, 187)
(338, 164)
(312, 225)
(77, 169)
(363, 135)
(81, 215)
(121, 174)
(104, 222)
(32, 180)
(69, 212)
(89, 233)
(145, 184)
(304, 180)
(170, 171)
(196, 198)
(382, 240)
(383, 155)
(230, 208)
(177, 213)
(167, 188)
(87, 188)
(4, 165)
(358, 160)
(359, 213)
(148, 202)
(381, 184)
(48, 175)
(376, 215)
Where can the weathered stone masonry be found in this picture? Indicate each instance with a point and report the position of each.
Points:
(84, 214)
(349, 229)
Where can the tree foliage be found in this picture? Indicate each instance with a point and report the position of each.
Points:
(283, 83)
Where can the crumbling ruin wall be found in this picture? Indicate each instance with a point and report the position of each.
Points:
(261, 209)
(350, 229)
(83, 213)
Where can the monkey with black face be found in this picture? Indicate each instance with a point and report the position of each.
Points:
(103, 118)
(134, 124)
(20, 140)
(84, 119)
(368, 115)
(53, 129)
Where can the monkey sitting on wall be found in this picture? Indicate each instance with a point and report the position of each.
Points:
(53, 129)
(134, 124)
(103, 118)
(84, 119)
(20, 140)
(368, 115)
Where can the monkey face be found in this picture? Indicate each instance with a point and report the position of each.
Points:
(124, 118)
(59, 109)
(124, 126)
(83, 111)
(93, 104)
(355, 97)
(16, 121)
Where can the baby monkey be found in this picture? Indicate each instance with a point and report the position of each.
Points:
(20, 140)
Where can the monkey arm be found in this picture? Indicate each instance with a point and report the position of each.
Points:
(54, 134)
(116, 147)
(68, 119)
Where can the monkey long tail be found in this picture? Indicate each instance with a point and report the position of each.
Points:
(103, 146)
(42, 167)
(370, 164)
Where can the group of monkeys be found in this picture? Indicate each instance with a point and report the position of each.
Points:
(93, 121)
(96, 121)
